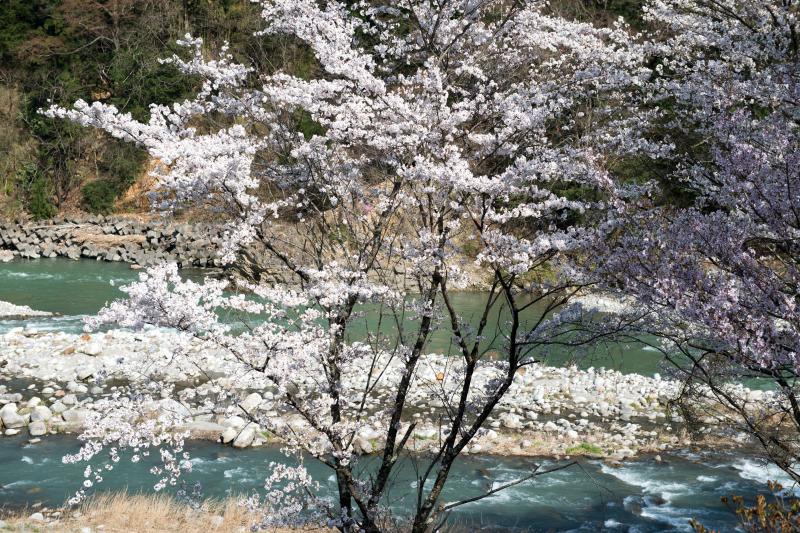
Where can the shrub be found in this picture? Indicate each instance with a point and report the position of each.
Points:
(779, 514)
(99, 196)
(38, 192)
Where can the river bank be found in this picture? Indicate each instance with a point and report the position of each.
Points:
(115, 513)
(53, 380)
(142, 241)
(139, 241)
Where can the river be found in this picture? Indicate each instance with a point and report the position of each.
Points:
(644, 495)
(74, 289)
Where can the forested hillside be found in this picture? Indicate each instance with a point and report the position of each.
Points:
(63, 50)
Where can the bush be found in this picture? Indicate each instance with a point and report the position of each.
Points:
(38, 192)
(119, 165)
(99, 196)
(585, 448)
(778, 514)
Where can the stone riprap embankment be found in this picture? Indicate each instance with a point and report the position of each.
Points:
(548, 411)
(113, 239)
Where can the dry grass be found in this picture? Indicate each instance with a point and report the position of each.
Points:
(94, 235)
(125, 513)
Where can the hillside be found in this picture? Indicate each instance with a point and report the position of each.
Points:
(62, 50)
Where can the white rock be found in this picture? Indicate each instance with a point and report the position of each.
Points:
(37, 428)
(92, 348)
(173, 406)
(251, 403)
(425, 433)
(10, 417)
(75, 416)
(362, 446)
(33, 402)
(83, 373)
(236, 422)
(36, 517)
(79, 388)
(245, 437)
(511, 421)
(205, 426)
(9, 310)
(41, 413)
(229, 434)
(370, 433)
(69, 399)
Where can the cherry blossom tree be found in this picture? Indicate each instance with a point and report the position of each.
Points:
(430, 149)
(721, 277)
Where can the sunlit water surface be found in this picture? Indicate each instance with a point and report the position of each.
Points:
(641, 496)
(75, 289)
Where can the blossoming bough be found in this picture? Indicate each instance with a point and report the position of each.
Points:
(721, 277)
(440, 126)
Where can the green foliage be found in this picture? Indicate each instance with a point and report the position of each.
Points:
(601, 11)
(58, 51)
(471, 248)
(121, 162)
(136, 79)
(630, 10)
(62, 50)
(99, 196)
(38, 192)
(584, 448)
(642, 170)
(307, 126)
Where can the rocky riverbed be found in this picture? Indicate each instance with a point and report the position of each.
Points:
(107, 238)
(54, 380)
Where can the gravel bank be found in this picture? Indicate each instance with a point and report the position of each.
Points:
(9, 310)
(548, 411)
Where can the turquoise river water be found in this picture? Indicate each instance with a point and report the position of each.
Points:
(74, 289)
(641, 496)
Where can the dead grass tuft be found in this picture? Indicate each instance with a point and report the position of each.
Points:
(152, 513)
